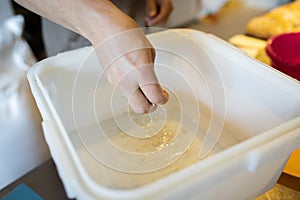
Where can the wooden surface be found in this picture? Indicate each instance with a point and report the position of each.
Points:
(287, 188)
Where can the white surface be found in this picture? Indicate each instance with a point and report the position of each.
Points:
(22, 145)
(261, 126)
(210, 7)
(265, 4)
(184, 12)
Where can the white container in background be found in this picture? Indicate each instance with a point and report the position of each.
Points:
(184, 12)
(210, 7)
(265, 4)
(260, 106)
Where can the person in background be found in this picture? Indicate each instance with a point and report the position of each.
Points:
(100, 20)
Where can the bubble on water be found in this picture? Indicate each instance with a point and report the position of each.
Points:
(143, 125)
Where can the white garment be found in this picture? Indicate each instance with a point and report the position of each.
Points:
(22, 145)
(5, 10)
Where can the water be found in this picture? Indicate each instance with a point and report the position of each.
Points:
(142, 125)
(173, 148)
(87, 141)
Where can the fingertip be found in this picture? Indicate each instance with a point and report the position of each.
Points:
(151, 8)
(155, 21)
(142, 108)
(139, 103)
(139, 110)
(152, 108)
(156, 95)
(150, 23)
(151, 19)
(152, 13)
(147, 21)
(166, 96)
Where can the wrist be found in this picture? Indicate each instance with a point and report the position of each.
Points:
(103, 20)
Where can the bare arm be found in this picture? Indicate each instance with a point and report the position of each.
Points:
(99, 20)
(89, 18)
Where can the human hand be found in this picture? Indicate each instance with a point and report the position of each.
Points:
(128, 58)
(158, 11)
(121, 46)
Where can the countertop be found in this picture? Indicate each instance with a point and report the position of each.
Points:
(45, 181)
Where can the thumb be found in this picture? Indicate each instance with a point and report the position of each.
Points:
(151, 8)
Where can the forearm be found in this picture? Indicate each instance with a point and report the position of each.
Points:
(89, 18)
(99, 21)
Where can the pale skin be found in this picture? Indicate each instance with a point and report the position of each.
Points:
(98, 21)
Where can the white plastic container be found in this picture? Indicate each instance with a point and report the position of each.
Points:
(257, 108)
